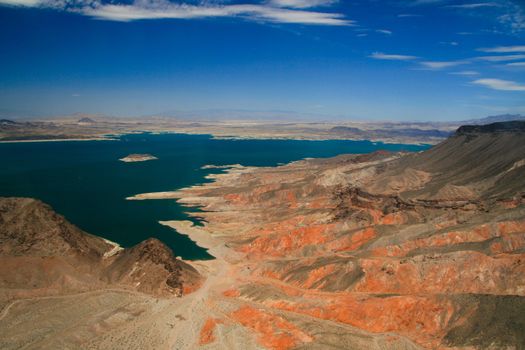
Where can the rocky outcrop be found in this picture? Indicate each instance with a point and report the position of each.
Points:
(509, 127)
(152, 268)
(137, 158)
(42, 253)
(29, 227)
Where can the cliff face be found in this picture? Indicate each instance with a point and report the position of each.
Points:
(427, 249)
(41, 253)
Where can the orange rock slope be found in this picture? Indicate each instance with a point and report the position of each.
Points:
(414, 250)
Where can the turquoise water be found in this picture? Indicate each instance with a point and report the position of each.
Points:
(85, 182)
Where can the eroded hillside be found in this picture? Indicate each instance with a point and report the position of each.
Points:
(425, 249)
(376, 251)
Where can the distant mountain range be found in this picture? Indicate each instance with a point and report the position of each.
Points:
(495, 119)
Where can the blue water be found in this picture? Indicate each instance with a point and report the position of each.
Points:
(85, 182)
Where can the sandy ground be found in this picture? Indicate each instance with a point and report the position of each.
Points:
(123, 319)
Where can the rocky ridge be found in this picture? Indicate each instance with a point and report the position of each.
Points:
(41, 253)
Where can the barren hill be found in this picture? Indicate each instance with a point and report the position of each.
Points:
(43, 253)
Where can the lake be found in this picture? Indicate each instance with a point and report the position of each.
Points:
(85, 181)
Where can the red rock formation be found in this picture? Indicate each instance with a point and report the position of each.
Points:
(418, 245)
(274, 331)
(207, 334)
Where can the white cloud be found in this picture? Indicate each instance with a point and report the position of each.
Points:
(514, 18)
(384, 31)
(301, 4)
(163, 9)
(516, 64)
(441, 64)
(466, 73)
(28, 3)
(501, 58)
(475, 6)
(503, 49)
(382, 56)
(499, 84)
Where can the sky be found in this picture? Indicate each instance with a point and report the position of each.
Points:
(406, 60)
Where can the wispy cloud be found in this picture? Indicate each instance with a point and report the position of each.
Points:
(501, 58)
(514, 16)
(503, 49)
(475, 5)
(465, 73)
(425, 2)
(516, 64)
(382, 56)
(408, 15)
(163, 9)
(384, 31)
(302, 4)
(441, 64)
(499, 84)
(509, 14)
(29, 3)
(451, 43)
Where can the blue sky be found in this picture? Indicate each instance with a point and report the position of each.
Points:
(321, 59)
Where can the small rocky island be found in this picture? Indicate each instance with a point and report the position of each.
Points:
(137, 158)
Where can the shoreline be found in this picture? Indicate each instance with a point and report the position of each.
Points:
(199, 236)
(297, 138)
(115, 250)
(59, 140)
(386, 142)
(214, 136)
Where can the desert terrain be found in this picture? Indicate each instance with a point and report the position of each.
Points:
(378, 251)
(80, 127)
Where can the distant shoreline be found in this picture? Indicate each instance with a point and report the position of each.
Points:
(231, 137)
(59, 140)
